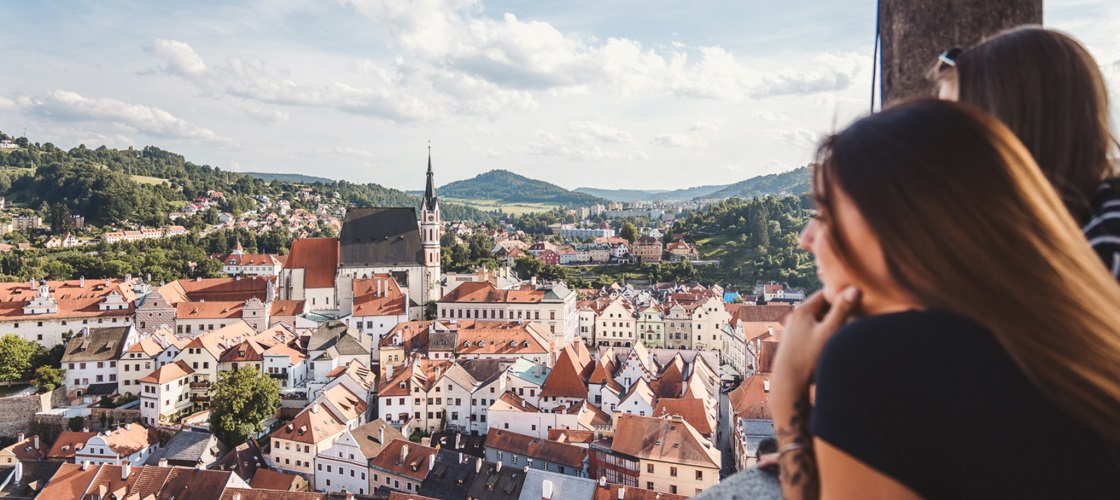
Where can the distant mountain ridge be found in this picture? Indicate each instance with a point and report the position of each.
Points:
(507, 187)
(795, 182)
(292, 178)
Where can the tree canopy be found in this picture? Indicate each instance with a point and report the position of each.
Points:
(243, 399)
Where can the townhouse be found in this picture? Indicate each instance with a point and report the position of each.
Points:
(296, 444)
(520, 450)
(191, 307)
(665, 455)
(647, 249)
(165, 393)
(46, 311)
(131, 443)
(345, 464)
(472, 385)
(137, 362)
(237, 262)
(552, 305)
(91, 358)
(401, 466)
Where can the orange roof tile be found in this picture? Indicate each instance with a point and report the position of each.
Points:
(692, 410)
(533, 447)
(72, 300)
(69, 442)
(167, 373)
(70, 481)
(415, 459)
(318, 257)
(146, 345)
(266, 479)
(312, 425)
(663, 440)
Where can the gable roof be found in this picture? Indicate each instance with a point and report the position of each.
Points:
(664, 440)
(102, 344)
(167, 373)
(369, 437)
(243, 460)
(72, 299)
(312, 425)
(193, 483)
(69, 442)
(537, 448)
(318, 257)
(568, 376)
(404, 458)
(147, 345)
(691, 409)
(192, 446)
(380, 237)
(266, 479)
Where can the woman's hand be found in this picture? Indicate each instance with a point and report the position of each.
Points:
(806, 331)
(809, 326)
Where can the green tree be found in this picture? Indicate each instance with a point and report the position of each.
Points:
(61, 223)
(17, 354)
(243, 398)
(48, 378)
(629, 232)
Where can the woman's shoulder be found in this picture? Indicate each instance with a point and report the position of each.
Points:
(908, 329)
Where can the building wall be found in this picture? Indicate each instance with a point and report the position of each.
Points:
(48, 332)
(532, 423)
(79, 375)
(684, 482)
(133, 367)
(335, 470)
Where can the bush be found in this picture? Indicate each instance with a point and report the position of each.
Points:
(76, 424)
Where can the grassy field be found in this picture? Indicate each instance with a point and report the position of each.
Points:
(144, 179)
(509, 208)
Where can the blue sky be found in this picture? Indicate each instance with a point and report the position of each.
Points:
(650, 94)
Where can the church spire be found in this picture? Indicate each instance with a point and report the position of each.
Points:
(430, 190)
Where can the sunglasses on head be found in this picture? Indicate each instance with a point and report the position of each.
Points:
(948, 58)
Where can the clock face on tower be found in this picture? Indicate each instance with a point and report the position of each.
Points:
(431, 218)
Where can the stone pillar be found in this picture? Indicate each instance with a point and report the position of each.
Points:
(914, 32)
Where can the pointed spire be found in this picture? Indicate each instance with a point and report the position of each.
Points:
(430, 190)
(237, 248)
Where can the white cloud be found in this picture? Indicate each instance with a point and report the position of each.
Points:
(66, 106)
(678, 141)
(771, 116)
(829, 73)
(600, 132)
(267, 116)
(178, 58)
(579, 146)
(707, 125)
(800, 138)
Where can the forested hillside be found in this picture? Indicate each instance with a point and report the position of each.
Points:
(795, 182)
(509, 187)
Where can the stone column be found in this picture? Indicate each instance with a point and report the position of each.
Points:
(914, 32)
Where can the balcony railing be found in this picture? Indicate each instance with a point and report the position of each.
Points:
(200, 385)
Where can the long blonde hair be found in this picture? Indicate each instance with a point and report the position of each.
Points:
(970, 225)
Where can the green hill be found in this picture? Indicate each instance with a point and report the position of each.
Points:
(508, 187)
(292, 178)
(620, 195)
(795, 182)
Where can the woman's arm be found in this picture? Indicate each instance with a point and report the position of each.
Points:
(843, 477)
(807, 329)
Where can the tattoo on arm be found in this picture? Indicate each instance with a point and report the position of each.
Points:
(798, 466)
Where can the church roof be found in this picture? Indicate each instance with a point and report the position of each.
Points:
(374, 237)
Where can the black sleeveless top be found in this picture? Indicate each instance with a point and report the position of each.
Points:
(933, 401)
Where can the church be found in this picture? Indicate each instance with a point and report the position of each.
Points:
(374, 242)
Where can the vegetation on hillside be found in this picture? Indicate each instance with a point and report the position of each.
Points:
(796, 182)
(512, 188)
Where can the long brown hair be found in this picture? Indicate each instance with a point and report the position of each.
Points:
(968, 224)
(1047, 88)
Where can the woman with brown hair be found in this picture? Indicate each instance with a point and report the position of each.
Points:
(964, 325)
(1049, 91)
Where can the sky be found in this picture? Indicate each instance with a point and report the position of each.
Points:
(634, 94)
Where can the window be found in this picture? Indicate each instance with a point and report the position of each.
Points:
(649, 485)
(673, 489)
(699, 475)
(649, 468)
(672, 472)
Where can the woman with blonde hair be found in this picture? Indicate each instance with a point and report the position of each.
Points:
(1046, 87)
(964, 323)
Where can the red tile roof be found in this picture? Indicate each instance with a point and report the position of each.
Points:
(167, 373)
(533, 447)
(266, 479)
(312, 425)
(569, 375)
(68, 442)
(691, 409)
(318, 257)
(72, 300)
(368, 302)
(70, 481)
(486, 292)
(663, 440)
(750, 399)
(411, 462)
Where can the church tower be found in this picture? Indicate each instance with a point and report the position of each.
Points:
(430, 231)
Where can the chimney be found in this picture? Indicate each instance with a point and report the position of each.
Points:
(458, 438)
(602, 481)
(163, 462)
(766, 385)
(432, 461)
(127, 427)
(236, 496)
(82, 282)
(381, 435)
(404, 453)
(349, 496)
(315, 408)
(533, 281)
(20, 437)
(126, 470)
(18, 473)
(85, 331)
(85, 429)
(437, 371)
(36, 441)
(498, 467)
(546, 490)
(32, 283)
(478, 466)
(85, 464)
(621, 492)
(388, 372)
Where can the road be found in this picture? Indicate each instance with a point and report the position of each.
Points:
(724, 431)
